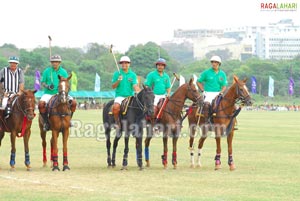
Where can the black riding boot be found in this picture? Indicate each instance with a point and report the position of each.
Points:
(7, 111)
(46, 126)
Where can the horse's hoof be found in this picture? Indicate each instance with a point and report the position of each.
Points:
(199, 166)
(29, 169)
(147, 163)
(165, 167)
(192, 166)
(45, 164)
(141, 168)
(124, 168)
(12, 169)
(232, 167)
(55, 169)
(174, 167)
(109, 166)
(66, 168)
(217, 167)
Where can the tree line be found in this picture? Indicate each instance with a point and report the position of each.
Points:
(96, 58)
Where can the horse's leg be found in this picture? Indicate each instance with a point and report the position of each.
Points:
(13, 150)
(26, 149)
(139, 148)
(44, 145)
(164, 157)
(1, 136)
(54, 150)
(192, 128)
(108, 145)
(230, 158)
(200, 144)
(126, 150)
(174, 155)
(115, 145)
(147, 144)
(218, 150)
(65, 138)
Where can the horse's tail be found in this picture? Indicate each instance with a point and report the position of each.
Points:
(106, 111)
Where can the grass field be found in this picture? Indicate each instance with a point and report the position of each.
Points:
(266, 153)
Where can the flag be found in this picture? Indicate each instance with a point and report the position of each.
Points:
(181, 80)
(291, 86)
(271, 87)
(195, 81)
(253, 84)
(97, 83)
(74, 81)
(37, 83)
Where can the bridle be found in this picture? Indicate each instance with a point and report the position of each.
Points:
(143, 107)
(63, 91)
(28, 107)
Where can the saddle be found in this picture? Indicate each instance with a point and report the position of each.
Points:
(209, 110)
(124, 106)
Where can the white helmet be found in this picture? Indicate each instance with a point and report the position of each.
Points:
(55, 58)
(216, 58)
(124, 59)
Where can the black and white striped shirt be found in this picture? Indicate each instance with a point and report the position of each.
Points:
(11, 80)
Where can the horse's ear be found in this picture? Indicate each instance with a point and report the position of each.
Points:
(59, 77)
(144, 86)
(235, 79)
(34, 91)
(245, 80)
(191, 81)
(69, 77)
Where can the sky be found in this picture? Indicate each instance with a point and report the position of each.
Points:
(27, 23)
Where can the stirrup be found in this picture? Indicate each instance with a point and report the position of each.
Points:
(46, 127)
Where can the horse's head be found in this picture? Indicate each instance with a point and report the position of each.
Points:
(146, 96)
(192, 92)
(63, 88)
(242, 92)
(27, 103)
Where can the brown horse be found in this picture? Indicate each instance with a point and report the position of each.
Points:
(222, 123)
(19, 122)
(60, 113)
(170, 122)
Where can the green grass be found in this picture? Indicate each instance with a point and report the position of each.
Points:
(266, 152)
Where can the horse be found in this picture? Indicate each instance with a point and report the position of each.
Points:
(60, 114)
(133, 121)
(222, 123)
(170, 122)
(19, 121)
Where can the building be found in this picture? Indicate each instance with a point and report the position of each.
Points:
(275, 41)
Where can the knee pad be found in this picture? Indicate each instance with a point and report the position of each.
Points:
(42, 107)
(73, 105)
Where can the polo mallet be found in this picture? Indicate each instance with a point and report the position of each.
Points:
(50, 51)
(167, 98)
(110, 50)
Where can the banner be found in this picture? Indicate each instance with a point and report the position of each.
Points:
(271, 87)
(253, 85)
(97, 83)
(37, 83)
(74, 81)
(181, 80)
(291, 86)
(195, 81)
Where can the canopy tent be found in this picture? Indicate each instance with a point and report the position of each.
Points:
(85, 94)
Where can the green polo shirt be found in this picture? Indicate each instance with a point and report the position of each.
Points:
(50, 76)
(125, 87)
(159, 83)
(213, 82)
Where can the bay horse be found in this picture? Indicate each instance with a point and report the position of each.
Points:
(60, 115)
(138, 111)
(222, 123)
(170, 122)
(19, 121)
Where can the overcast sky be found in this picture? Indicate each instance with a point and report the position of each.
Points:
(27, 23)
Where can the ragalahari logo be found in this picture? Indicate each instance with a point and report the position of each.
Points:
(283, 6)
